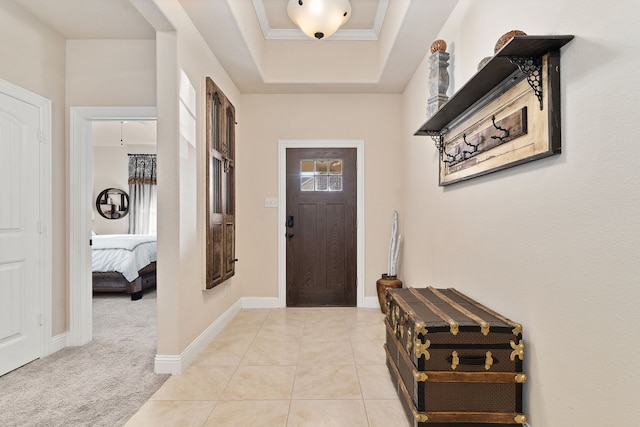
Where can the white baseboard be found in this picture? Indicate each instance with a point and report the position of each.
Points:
(261, 302)
(371, 302)
(57, 343)
(168, 364)
(175, 364)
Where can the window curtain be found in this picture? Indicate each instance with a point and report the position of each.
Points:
(143, 213)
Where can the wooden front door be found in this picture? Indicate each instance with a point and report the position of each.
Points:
(321, 227)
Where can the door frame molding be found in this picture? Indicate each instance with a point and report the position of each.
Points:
(79, 225)
(283, 144)
(45, 216)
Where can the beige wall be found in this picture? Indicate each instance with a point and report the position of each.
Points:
(33, 57)
(184, 309)
(267, 118)
(554, 243)
(111, 73)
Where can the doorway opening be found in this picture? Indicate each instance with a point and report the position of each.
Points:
(80, 219)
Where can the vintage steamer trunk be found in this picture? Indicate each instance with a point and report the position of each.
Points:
(454, 361)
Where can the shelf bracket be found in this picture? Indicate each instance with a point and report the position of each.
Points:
(438, 141)
(531, 67)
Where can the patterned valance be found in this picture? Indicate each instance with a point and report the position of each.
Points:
(142, 169)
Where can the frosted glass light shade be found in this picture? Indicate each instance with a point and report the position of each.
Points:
(319, 18)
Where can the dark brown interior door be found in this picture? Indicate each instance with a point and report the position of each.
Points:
(321, 227)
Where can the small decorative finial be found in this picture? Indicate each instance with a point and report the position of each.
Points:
(506, 38)
(438, 45)
(484, 61)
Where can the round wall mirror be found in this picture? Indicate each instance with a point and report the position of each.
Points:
(112, 203)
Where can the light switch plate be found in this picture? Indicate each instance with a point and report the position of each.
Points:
(270, 202)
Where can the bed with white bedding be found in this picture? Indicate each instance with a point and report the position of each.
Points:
(124, 263)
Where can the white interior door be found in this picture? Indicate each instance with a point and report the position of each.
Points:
(20, 287)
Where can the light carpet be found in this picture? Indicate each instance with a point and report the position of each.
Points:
(102, 383)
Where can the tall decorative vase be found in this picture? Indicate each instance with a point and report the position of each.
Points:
(384, 283)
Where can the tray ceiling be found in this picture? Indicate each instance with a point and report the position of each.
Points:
(377, 50)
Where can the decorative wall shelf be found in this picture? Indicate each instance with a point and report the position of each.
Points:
(476, 106)
(112, 203)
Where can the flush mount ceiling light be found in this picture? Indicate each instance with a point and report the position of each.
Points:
(319, 18)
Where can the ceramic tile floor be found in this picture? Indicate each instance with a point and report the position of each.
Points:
(294, 367)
